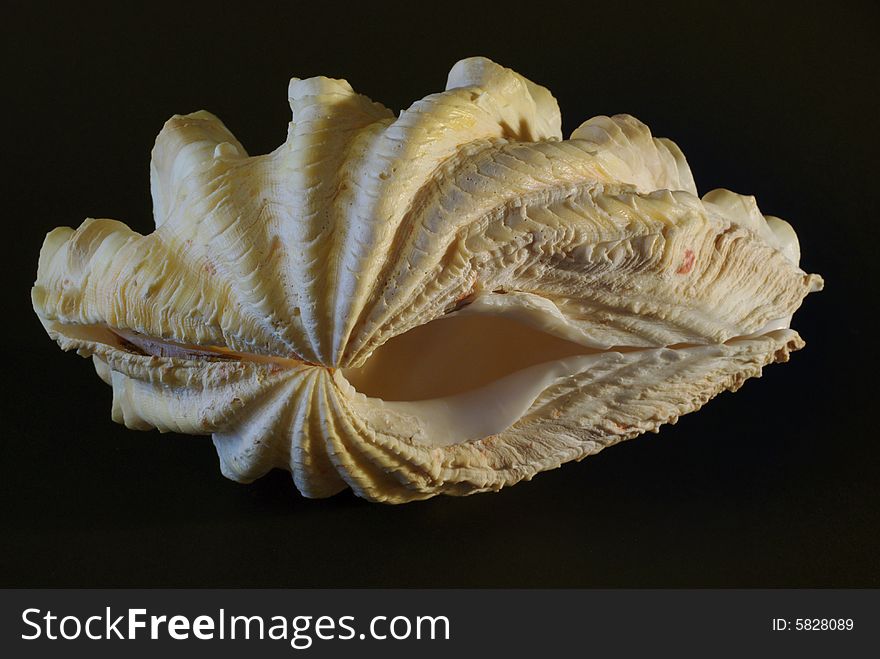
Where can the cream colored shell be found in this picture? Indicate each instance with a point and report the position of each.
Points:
(446, 301)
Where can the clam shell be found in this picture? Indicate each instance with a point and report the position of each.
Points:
(447, 301)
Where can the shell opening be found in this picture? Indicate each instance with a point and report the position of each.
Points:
(475, 372)
(455, 354)
(467, 376)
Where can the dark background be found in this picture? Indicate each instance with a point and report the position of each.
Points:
(773, 486)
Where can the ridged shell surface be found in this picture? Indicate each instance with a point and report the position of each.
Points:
(445, 301)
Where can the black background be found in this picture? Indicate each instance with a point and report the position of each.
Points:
(773, 486)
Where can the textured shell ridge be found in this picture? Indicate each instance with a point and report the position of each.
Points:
(449, 300)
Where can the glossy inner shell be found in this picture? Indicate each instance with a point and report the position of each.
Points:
(456, 354)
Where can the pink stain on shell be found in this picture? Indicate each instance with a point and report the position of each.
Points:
(687, 263)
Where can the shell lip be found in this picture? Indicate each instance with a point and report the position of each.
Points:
(111, 342)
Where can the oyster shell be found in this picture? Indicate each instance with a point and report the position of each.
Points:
(447, 301)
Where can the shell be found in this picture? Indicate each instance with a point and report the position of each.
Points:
(447, 301)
